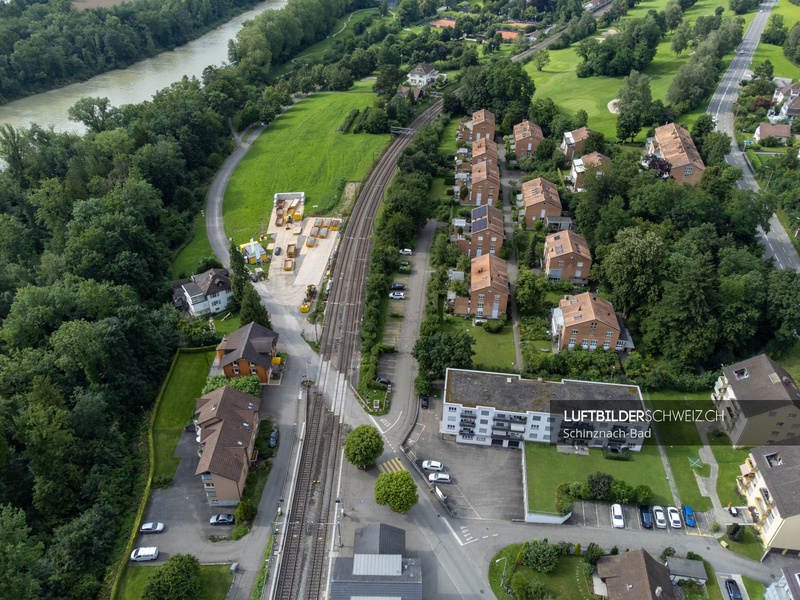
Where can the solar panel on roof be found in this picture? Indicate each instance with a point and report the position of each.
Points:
(479, 212)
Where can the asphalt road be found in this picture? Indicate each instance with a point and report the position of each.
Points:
(777, 243)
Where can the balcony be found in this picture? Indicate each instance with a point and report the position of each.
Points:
(466, 431)
(516, 436)
(467, 422)
(501, 425)
(767, 498)
(468, 413)
(510, 418)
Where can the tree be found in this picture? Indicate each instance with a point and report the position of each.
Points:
(581, 119)
(714, 148)
(19, 554)
(249, 384)
(764, 70)
(206, 263)
(437, 352)
(176, 579)
(530, 292)
(396, 489)
(681, 37)
(408, 12)
(520, 44)
(239, 278)
(593, 554)
(600, 484)
(621, 492)
(96, 113)
(628, 125)
(634, 102)
(595, 142)
(252, 310)
(541, 58)
(673, 15)
(540, 556)
(363, 446)
(389, 77)
(384, 8)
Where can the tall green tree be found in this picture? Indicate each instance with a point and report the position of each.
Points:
(19, 555)
(252, 311)
(435, 353)
(398, 490)
(176, 579)
(363, 446)
(239, 278)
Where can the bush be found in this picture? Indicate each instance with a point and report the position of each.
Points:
(735, 532)
(643, 495)
(588, 569)
(715, 527)
(245, 512)
(692, 556)
(624, 454)
(593, 553)
(668, 551)
(494, 325)
(577, 550)
(614, 551)
(521, 553)
(540, 556)
(563, 548)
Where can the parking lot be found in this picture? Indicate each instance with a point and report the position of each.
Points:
(598, 514)
(486, 481)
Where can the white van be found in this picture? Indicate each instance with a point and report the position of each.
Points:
(144, 554)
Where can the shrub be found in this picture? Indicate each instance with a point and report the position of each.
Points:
(563, 548)
(521, 553)
(643, 495)
(624, 454)
(668, 551)
(577, 551)
(692, 556)
(735, 532)
(245, 511)
(614, 551)
(593, 553)
(588, 569)
(540, 556)
(494, 325)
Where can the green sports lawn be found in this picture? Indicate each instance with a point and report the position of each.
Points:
(300, 151)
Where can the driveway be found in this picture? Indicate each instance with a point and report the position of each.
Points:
(598, 515)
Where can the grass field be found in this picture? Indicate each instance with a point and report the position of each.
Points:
(214, 581)
(783, 66)
(728, 460)
(791, 362)
(645, 468)
(230, 324)
(301, 151)
(750, 546)
(176, 408)
(561, 583)
(198, 247)
(682, 442)
(755, 590)
(712, 585)
(492, 350)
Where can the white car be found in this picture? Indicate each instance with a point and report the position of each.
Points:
(405, 252)
(617, 518)
(674, 517)
(432, 465)
(144, 554)
(660, 519)
(439, 478)
(397, 295)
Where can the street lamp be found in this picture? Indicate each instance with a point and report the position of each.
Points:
(770, 176)
(503, 578)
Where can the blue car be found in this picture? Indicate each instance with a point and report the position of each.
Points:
(688, 516)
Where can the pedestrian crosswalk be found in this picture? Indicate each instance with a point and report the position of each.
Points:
(244, 145)
(391, 466)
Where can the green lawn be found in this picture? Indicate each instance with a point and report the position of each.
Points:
(547, 469)
(783, 66)
(791, 362)
(560, 583)
(185, 262)
(437, 190)
(682, 442)
(728, 460)
(750, 547)
(492, 350)
(214, 581)
(447, 143)
(301, 151)
(176, 408)
(712, 585)
(755, 590)
(229, 325)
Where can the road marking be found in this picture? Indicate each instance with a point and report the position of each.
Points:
(395, 422)
(455, 535)
(392, 466)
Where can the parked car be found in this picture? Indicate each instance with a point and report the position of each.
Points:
(277, 250)
(222, 520)
(688, 516)
(273, 438)
(617, 518)
(734, 511)
(253, 278)
(397, 295)
(439, 478)
(397, 286)
(674, 516)
(405, 252)
(660, 519)
(151, 528)
(423, 401)
(150, 554)
(432, 465)
(644, 517)
(383, 381)
(733, 589)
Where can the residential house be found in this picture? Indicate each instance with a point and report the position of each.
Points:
(424, 74)
(486, 235)
(485, 188)
(253, 252)
(573, 141)
(378, 567)
(674, 144)
(593, 162)
(589, 321)
(227, 426)
(769, 481)
(785, 89)
(412, 93)
(683, 569)
(501, 409)
(567, 258)
(780, 132)
(634, 575)
(207, 293)
(250, 350)
(527, 137)
(488, 287)
(540, 200)
(787, 587)
(482, 125)
(758, 401)
(484, 150)
(790, 110)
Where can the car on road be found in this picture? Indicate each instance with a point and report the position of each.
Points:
(277, 250)
(383, 381)
(688, 516)
(644, 517)
(617, 518)
(397, 296)
(432, 465)
(660, 519)
(222, 520)
(150, 554)
(674, 516)
(733, 589)
(151, 528)
(424, 401)
(253, 278)
(439, 478)
(397, 286)
(273, 438)
(405, 252)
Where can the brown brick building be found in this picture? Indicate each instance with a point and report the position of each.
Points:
(488, 290)
(484, 150)
(248, 351)
(674, 144)
(485, 188)
(527, 137)
(567, 257)
(541, 200)
(593, 162)
(487, 232)
(589, 322)
(573, 141)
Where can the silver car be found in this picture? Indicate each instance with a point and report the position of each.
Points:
(674, 516)
(659, 518)
(439, 478)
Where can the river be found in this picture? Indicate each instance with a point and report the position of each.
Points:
(135, 84)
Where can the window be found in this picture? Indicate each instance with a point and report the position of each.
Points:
(585, 343)
(572, 341)
(574, 332)
(479, 249)
(206, 476)
(609, 334)
(779, 424)
(252, 364)
(606, 345)
(208, 486)
(484, 413)
(534, 436)
(481, 439)
(497, 298)
(580, 264)
(773, 414)
(484, 421)
(795, 427)
(687, 171)
(793, 416)
(593, 345)
(548, 428)
(620, 344)
(236, 371)
(492, 249)
(480, 296)
(451, 418)
(774, 434)
(534, 428)
(593, 325)
(480, 309)
(211, 494)
(561, 263)
(451, 408)
(253, 372)
(451, 426)
(535, 418)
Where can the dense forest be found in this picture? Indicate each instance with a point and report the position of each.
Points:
(87, 229)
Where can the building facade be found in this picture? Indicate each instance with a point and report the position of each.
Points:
(573, 141)
(540, 200)
(594, 163)
(787, 587)
(781, 133)
(485, 187)
(488, 290)
(423, 74)
(484, 150)
(527, 137)
(675, 145)
(250, 350)
(567, 258)
(486, 235)
(589, 322)
(208, 293)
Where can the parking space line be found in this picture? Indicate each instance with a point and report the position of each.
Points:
(391, 466)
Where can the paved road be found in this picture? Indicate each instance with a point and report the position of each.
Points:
(777, 242)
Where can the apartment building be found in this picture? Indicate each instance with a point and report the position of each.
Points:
(573, 141)
(484, 150)
(250, 350)
(770, 481)
(589, 322)
(501, 409)
(540, 200)
(675, 145)
(787, 587)
(486, 235)
(482, 125)
(485, 188)
(488, 290)
(594, 162)
(567, 258)
(527, 137)
(758, 402)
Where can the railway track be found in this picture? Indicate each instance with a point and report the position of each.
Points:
(302, 562)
